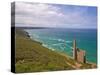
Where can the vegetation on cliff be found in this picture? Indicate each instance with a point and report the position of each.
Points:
(31, 56)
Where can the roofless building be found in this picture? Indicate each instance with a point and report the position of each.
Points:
(78, 54)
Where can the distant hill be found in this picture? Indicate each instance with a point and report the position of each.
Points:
(33, 27)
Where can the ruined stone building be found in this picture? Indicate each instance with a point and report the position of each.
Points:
(78, 54)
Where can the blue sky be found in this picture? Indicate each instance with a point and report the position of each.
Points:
(55, 15)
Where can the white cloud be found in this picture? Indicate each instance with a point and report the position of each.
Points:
(46, 15)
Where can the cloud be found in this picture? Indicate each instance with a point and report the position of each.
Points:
(49, 15)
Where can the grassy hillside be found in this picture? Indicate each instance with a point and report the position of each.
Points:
(31, 56)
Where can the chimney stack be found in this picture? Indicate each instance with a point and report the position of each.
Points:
(74, 50)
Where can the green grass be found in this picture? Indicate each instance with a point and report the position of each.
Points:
(31, 56)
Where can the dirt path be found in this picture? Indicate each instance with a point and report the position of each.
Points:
(76, 66)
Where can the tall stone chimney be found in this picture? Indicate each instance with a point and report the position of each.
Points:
(74, 50)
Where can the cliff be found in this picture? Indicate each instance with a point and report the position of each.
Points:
(31, 56)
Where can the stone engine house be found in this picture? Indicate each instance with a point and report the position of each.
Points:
(78, 54)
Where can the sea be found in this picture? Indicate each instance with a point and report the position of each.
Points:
(61, 39)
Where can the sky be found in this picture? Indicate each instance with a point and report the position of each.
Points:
(54, 15)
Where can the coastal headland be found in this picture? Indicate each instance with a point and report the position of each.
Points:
(31, 56)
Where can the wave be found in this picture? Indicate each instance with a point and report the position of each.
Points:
(60, 43)
(44, 45)
(61, 40)
(56, 39)
(68, 41)
(48, 47)
(57, 44)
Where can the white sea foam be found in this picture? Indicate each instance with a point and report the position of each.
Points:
(56, 39)
(48, 47)
(51, 48)
(44, 45)
(68, 41)
(57, 44)
(61, 40)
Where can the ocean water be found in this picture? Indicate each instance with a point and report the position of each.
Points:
(61, 39)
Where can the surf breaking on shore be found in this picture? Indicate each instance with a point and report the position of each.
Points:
(61, 42)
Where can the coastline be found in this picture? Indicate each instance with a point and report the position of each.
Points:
(36, 49)
(61, 53)
(67, 56)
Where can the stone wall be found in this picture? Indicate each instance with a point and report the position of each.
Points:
(81, 56)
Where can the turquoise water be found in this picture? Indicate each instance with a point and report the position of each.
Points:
(61, 40)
